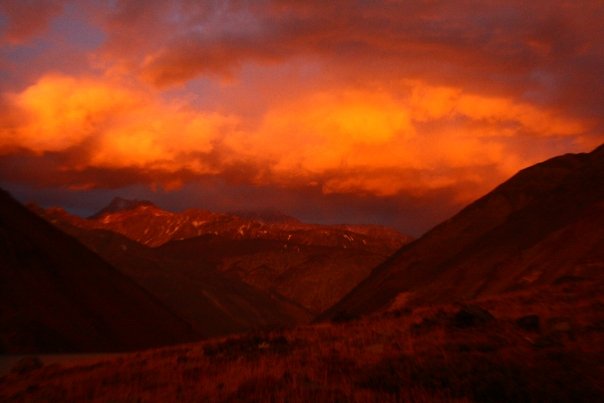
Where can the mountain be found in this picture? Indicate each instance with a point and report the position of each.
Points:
(58, 296)
(212, 302)
(309, 266)
(543, 226)
(311, 276)
(503, 302)
(152, 226)
(119, 204)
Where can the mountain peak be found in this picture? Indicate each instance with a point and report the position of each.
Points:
(121, 204)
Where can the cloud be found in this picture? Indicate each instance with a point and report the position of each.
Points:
(413, 139)
(377, 100)
(27, 18)
(543, 53)
(103, 125)
(418, 32)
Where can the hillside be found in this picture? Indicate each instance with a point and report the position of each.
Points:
(58, 296)
(213, 303)
(544, 225)
(312, 276)
(538, 345)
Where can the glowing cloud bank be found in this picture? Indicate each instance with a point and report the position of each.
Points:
(388, 100)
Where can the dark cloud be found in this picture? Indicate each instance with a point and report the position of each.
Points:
(494, 47)
(27, 18)
(411, 215)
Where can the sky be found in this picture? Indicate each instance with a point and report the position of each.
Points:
(380, 112)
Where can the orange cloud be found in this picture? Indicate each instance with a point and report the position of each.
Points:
(324, 131)
(58, 112)
(113, 126)
(506, 56)
(438, 102)
(399, 101)
(413, 138)
(380, 143)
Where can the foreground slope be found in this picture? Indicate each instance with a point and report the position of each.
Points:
(545, 344)
(57, 296)
(544, 225)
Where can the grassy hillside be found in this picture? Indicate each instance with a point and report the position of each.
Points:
(543, 345)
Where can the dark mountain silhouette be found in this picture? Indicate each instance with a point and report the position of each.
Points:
(58, 296)
(311, 276)
(544, 225)
(213, 303)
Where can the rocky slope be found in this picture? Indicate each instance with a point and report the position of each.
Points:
(146, 223)
(58, 296)
(544, 225)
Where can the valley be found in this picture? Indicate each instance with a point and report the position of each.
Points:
(502, 302)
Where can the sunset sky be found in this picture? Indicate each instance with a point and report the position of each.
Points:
(388, 112)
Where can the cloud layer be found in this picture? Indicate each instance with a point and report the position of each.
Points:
(414, 139)
(381, 100)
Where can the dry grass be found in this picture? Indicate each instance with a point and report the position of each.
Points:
(426, 355)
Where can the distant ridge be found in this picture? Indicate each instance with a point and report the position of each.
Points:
(144, 222)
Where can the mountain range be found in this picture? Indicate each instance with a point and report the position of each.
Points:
(149, 225)
(309, 266)
(218, 273)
